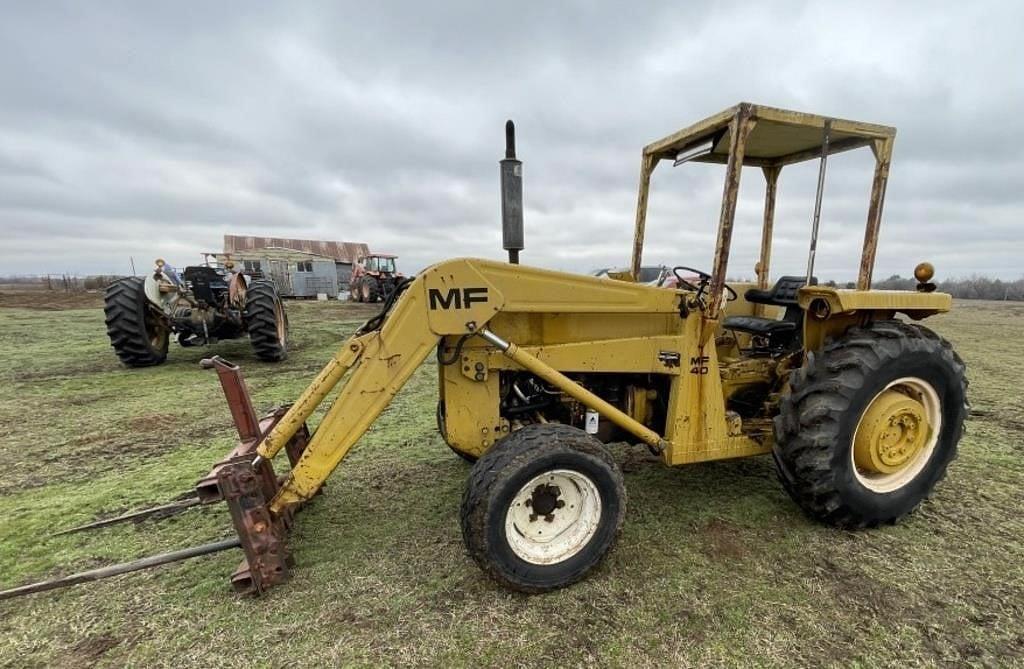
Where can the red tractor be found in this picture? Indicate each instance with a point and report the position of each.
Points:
(373, 277)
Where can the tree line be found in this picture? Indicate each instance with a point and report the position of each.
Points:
(971, 288)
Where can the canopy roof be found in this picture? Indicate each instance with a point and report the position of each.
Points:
(781, 137)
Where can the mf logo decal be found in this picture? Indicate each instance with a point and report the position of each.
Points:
(456, 298)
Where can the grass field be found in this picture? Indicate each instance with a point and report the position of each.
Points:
(716, 566)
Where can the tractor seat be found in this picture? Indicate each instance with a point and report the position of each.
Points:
(782, 294)
(756, 325)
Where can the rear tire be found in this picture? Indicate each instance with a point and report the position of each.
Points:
(819, 452)
(371, 290)
(138, 332)
(266, 321)
(543, 478)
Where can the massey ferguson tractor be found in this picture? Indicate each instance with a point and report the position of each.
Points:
(859, 405)
(373, 278)
(198, 307)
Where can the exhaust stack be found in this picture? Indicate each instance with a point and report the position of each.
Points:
(511, 197)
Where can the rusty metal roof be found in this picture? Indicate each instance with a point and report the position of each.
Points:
(341, 251)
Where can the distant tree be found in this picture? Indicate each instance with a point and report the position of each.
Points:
(974, 287)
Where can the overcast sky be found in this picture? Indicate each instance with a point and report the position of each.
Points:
(152, 129)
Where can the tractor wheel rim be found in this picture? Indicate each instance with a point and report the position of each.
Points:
(553, 517)
(279, 321)
(155, 330)
(896, 435)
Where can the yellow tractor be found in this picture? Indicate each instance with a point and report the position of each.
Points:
(861, 410)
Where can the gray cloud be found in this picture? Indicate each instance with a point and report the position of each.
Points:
(148, 130)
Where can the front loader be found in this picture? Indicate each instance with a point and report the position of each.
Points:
(860, 407)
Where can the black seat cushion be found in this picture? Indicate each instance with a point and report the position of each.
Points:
(758, 326)
(782, 294)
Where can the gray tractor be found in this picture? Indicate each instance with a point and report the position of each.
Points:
(198, 307)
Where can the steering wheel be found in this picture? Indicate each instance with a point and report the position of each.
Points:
(701, 287)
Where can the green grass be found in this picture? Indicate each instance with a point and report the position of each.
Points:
(715, 565)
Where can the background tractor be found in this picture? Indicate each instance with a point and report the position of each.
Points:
(373, 277)
(198, 307)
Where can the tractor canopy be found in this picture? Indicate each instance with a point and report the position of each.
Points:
(779, 137)
(749, 135)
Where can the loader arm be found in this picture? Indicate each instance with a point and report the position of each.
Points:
(457, 297)
(451, 298)
(381, 362)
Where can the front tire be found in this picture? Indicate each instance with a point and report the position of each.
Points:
(871, 424)
(543, 507)
(138, 332)
(370, 290)
(266, 321)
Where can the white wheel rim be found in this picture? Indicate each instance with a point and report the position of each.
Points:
(924, 393)
(562, 533)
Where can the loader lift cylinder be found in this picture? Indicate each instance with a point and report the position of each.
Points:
(511, 197)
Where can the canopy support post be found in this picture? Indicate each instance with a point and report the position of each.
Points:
(647, 165)
(817, 199)
(883, 154)
(771, 177)
(739, 129)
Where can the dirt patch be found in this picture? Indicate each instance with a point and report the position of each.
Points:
(62, 372)
(858, 589)
(87, 651)
(50, 300)
(722, 539)
(1003, 420)
(156, 422)
(636, 458)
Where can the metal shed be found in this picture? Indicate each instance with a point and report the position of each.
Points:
(295, 273)
(344, 254)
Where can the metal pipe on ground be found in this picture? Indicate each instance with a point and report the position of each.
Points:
(162, 510)
(123, 568)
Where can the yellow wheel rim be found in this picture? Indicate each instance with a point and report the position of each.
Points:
(896, 435)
